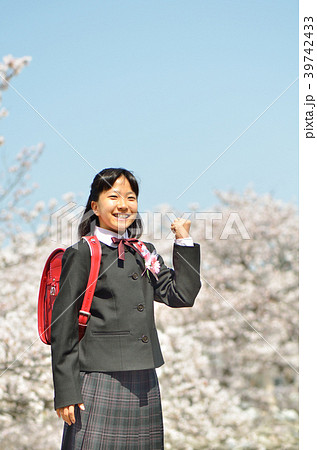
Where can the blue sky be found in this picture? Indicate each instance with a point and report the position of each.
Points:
(161, 88)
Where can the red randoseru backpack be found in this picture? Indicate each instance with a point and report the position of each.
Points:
(49, 289)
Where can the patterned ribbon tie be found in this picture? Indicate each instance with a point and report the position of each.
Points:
(122, 242)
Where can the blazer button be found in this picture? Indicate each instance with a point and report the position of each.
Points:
(145, 339)
(140, 307)
(135, 276)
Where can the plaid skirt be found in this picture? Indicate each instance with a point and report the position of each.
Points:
(122, 412)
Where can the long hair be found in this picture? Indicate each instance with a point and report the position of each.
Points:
(104, 181)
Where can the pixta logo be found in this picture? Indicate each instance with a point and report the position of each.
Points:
(65, 222)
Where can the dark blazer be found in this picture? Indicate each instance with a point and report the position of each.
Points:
(121, 333)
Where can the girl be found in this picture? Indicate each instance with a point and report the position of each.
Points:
(106, 388)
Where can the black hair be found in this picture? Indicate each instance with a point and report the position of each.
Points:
(104, 181)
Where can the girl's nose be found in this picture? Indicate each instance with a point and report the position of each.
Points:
(122, 203)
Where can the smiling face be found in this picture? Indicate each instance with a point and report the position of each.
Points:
(117, 207)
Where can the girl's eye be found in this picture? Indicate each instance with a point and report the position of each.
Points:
(131, 198)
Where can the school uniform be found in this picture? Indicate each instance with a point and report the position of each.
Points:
(112, 369)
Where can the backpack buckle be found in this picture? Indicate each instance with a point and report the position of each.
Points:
(85, 313)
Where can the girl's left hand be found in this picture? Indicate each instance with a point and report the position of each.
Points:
(180, 228)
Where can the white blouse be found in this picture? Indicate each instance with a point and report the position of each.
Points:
(105, 236)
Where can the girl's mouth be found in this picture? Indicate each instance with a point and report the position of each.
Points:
(122, 216)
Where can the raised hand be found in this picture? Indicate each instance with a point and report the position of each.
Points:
(180, 228)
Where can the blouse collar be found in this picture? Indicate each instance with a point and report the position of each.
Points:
(105, 236)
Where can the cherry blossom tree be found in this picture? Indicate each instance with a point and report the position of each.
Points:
(231, 377)
(26, 418)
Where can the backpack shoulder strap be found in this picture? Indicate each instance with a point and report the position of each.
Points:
(95, 252)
